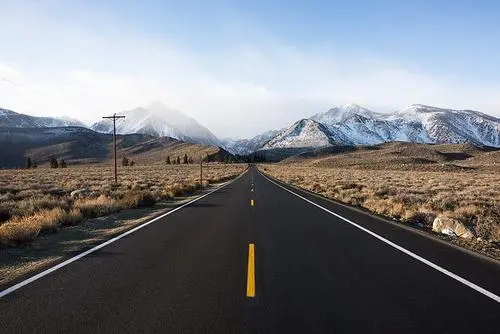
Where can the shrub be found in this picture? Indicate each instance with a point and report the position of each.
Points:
(137, 199)
(18, 231)
(96, 207)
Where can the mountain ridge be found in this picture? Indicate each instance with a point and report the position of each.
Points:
(160, 121)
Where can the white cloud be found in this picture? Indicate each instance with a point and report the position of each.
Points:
(67, 69)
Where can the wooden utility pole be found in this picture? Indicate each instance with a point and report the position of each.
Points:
(114, 118)
(201, 171)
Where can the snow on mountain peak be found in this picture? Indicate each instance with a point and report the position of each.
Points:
(352, 124)
(302, 134)
(160, 120)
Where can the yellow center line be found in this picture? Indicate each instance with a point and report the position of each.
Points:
(252, 202)
(251, 271)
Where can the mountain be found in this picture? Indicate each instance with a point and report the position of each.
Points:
(160, 121)
(11, 119)
(355, 125)
(305, 133)
(80, 145)
(416, 124)
(341, 113)
(247, 146)
(454, 126)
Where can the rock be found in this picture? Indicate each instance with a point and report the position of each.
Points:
(443, 224)
(448, 231)
(80, 193)
(479, 239)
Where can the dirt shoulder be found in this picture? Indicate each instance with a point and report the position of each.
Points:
(17, 263)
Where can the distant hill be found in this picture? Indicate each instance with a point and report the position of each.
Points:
(80, 145)
(401, 156)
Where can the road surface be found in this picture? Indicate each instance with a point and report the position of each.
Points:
(254, 257)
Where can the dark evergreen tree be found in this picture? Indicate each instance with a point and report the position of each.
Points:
(28, 163)
(54, 163)
(168, 160)
(185, 160)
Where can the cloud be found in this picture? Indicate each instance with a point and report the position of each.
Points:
(70, 68)
(8, 72)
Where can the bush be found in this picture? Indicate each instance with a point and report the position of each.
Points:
(96, 207)
(18, 231)
(137, 199)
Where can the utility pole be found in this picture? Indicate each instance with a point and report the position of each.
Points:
(114, 118)
(201, 171)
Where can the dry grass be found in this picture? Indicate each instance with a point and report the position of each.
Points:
(410, 196)
(39, 200)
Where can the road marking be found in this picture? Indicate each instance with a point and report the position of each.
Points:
(251, 271)
(252, 202)
(394, 245)
(27, 281)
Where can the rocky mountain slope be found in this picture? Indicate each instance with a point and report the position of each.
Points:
(160, 121)
(80, 145)
(11, 119)
(355, 125)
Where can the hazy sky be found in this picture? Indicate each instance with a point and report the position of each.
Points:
(242, 67)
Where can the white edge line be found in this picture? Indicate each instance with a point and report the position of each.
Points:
(31, 279)
(404, 250)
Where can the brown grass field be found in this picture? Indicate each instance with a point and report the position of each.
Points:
(390, 185)
(37, 201)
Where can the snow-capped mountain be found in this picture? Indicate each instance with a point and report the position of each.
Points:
(417, 124)
(247, 146)
(159, 120)
(354, 125)
(305, 133)
(341, 113)
(453, 126)
(11, 119)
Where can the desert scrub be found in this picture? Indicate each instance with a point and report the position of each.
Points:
(410, 196)
(39, 200)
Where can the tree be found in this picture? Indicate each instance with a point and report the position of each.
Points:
(168, 160)
(185, 160)
(62, 164)
(125, 162)
(54, 163)
(35, 165)
(178, 160)
(191, 160)
(28, 163)
(132, 163)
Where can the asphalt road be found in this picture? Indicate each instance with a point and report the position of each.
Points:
(314, 273)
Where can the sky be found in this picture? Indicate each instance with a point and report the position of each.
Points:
(244, 67)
